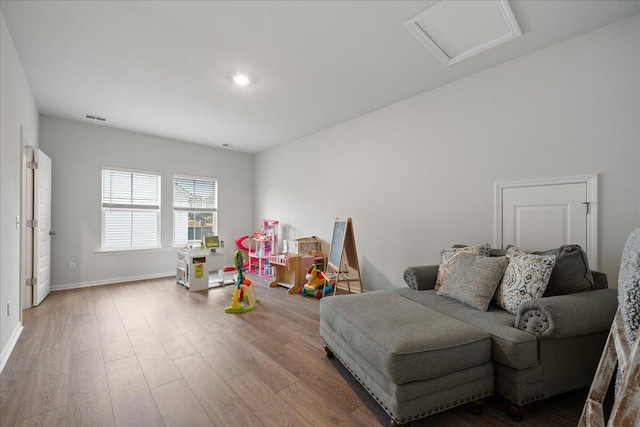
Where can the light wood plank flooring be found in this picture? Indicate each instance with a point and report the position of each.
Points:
(151, 353)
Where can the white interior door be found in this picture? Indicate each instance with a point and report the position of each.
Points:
(42, 212)
(546, 214)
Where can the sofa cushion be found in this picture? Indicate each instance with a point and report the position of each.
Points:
(571, 273)
(510, 346)
(525, 278)
(448, 258)
(473, 279)
(405, 341)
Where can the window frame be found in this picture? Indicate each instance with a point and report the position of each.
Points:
(214, 211)
(132, 207)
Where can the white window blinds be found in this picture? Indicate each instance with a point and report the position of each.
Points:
(130, 209)
(195, 205)
(194, 194)
(130, 189)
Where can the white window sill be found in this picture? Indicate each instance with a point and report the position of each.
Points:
(133, 251)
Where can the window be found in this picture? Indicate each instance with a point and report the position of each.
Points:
(130, 209)
(195, 206)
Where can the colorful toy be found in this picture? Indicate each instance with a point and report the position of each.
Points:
(243, 290)
(317, 283)
(240, 244)
(245, 249)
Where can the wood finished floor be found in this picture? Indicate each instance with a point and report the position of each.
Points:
(151, 353)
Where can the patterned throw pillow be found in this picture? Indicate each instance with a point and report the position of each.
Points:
(525, 278)
(472, 279)
(448, 258)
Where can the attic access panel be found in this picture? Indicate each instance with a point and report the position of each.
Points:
(454, 30)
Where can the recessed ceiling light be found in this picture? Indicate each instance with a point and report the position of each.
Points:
(241, 79)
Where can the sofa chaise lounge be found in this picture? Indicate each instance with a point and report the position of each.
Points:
(418, 353)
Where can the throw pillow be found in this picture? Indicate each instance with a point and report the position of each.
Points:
(571, 273)
(473, 279)
(492, 251)
(628, 289)
(448, 259)
(526, 278)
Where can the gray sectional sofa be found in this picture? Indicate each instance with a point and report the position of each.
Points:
(418, 353)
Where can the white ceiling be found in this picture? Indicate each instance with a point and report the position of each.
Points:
(163, 67)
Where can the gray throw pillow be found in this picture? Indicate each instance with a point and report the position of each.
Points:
(571, 273)
(473, 279)
(492, 251)
(448, 258)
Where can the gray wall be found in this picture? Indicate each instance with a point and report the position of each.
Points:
(17, 108)
(419, 175)
(79, 150)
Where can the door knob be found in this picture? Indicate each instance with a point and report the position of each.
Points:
(52, 233)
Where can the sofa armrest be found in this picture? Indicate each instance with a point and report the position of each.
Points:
(599, 280)
(569, 315)
(421, 278)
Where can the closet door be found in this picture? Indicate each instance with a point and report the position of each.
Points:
(42, 235)
(545, 215)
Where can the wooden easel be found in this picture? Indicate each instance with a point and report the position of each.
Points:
(342, 264)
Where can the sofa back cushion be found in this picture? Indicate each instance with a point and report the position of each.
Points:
(473, 279)
(571, 273)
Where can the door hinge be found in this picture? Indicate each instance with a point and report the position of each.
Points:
(32, 165)
(587, 205)
(33, 281)
(32, 223)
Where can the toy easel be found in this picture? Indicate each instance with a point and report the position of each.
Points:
(342, 265)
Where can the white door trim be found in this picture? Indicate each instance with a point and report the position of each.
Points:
(26, 191)
(592, 198)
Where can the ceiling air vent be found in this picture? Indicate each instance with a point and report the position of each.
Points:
(90, 117)
(454, 30)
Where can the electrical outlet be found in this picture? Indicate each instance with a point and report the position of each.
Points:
(222, 243)
(8, 308)
(72, 265)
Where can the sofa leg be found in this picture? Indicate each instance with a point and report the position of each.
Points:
(395, 424)
(477, 406)
(329, 352)
(514, 411)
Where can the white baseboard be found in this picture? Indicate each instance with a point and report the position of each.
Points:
(110, 281)
(13, 340)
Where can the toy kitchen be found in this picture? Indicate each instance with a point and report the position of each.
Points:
(201, 266)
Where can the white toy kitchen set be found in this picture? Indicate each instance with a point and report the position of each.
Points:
(197, 261)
